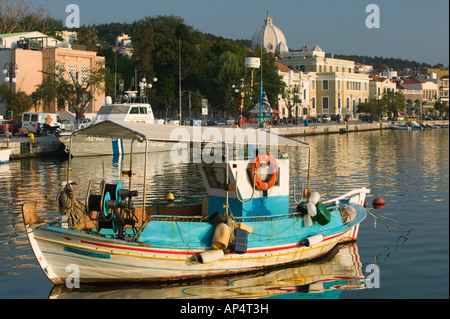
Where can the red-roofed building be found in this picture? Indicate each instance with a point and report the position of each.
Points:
(378, 85)
(429, 91)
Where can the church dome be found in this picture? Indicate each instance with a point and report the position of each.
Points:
(270, 37)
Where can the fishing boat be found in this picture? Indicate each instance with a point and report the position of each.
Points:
(245, 223)
(5, 152)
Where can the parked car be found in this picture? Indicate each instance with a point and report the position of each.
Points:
(82, 123)
(199, 121)
(221, 121)
(326, 118)
(12, 126)
(229, 120)
(367, 118)
(213, 121)
(67, 125)
(312, 119)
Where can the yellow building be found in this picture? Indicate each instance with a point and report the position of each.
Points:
(443, 88)
(336, 87)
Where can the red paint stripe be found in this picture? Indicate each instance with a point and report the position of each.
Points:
(136, 249)
(162, 251)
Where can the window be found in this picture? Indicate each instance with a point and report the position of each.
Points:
(216, 176)
(320, 68)
(34, 117)
(313, 84)
(325, 103)
(325, 85)
(365, 86)
(313, 101)
(339, 103)
(84, 74)
(143, 110)
(72, 73)
(134, 110)
(60, 71)
(348, 103)
(26, 117)
(339, 84)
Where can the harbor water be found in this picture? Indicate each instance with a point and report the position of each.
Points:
(408, 245)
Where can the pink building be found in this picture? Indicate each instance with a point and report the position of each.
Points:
(31, 63)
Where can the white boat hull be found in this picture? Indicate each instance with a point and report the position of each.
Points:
(4, 155)
(93, 146)
(61, 254)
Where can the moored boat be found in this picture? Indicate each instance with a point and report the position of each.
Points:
(244, 225)
(5, 152)
(136, 110)
(408, 126)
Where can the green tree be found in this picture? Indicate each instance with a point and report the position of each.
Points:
(441, 107)
(143, 43)
(87, 35)
(19, 102)
(221, 74)
(393, 102)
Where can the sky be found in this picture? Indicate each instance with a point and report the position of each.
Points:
(415, 30)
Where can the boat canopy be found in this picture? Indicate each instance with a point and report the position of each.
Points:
(176, 133)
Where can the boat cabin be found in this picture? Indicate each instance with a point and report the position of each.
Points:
(133, 112)
(258, 185)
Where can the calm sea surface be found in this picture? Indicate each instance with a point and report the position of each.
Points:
(409, 170)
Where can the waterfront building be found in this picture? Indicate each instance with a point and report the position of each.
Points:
(443, 88)
(35, 53)
(335, 86)
(296, 98)
(338, 86)
(429, 91)
(378, 85)
(414, 100)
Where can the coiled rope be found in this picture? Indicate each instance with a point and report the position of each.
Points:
(71, 207)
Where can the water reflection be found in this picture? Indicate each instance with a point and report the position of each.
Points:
(409, 170)
(338, 271)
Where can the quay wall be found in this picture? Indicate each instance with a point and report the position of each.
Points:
(293, 131)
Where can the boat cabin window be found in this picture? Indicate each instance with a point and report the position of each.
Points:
(216, 176)
(134, 110)
(143, 110)
(114, 109)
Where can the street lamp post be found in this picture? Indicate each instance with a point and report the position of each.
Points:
(10, 70)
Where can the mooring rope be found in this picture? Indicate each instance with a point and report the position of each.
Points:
(378, 218)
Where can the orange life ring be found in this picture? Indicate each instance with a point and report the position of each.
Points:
(255, 167)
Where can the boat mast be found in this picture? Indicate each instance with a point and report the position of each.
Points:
(179, 74)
